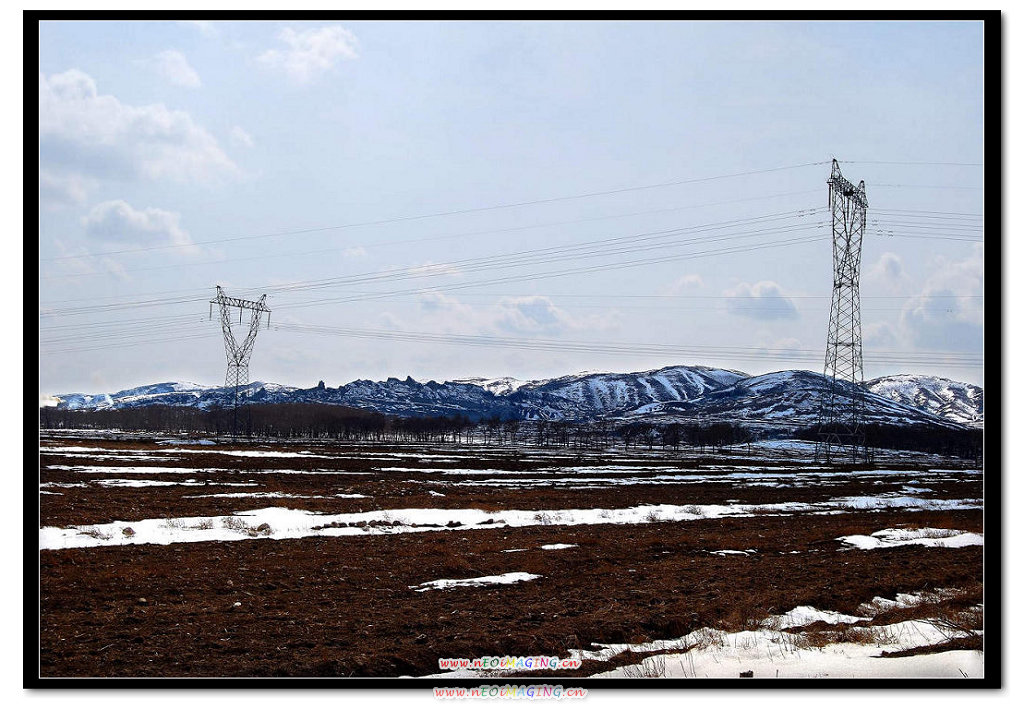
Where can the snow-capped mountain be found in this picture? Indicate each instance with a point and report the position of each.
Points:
(954, 401)
(500, 386)
(785, 399)
(164, 394)
(788, 399)
(597, 395)
(408, 397)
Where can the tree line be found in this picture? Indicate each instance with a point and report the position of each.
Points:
(326, 421)
(956, 442)
(346, 424)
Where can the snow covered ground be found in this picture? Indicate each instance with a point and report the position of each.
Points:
(286, 523)
(144, 470)
(767, 655)
(779, 649)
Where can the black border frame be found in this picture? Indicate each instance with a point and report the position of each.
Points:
(994, 557)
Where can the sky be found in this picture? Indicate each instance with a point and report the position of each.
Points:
(527, 199)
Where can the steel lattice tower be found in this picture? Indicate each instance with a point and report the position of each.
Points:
(239, 354)
(841, 417)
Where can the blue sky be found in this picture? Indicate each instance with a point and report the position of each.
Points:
(169, 151)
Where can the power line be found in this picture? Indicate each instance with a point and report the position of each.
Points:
(473, 210)
(926, 187)
(541, 344)
(631, 348)
(898, 162)
(575, 251)
(592, 249)
(486, 263)
(928, 211)
(135, 342)
(440, 237)
(933, 225)
(575, 271)
(157, 326)
(89, 331)
(937, 238)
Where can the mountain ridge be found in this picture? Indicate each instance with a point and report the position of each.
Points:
(785, 399)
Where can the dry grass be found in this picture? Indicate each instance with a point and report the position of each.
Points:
(240, 525)
(649, 667)
(96, 533)
(705, 638)
(958, 623)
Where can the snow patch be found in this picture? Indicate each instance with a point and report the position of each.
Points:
(804, 615)
(926, 536)
(499, 580)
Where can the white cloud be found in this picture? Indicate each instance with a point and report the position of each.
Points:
(76, 261)
(434, 301)
(537, 314)
(880, 334)
(117, 222)
(887, 274)
(532, 314)
(948, 313)
(762, 301)
(310, 52)
(889, 266)
(936, 320)
(112, 267)
(240, 136)
(174, 67)
(685, 282)
(63, 189)
(96, 135)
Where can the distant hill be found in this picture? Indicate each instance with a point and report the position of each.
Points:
(787, 399)
(953, 401)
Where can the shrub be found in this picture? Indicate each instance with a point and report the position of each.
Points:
(239, 525)
(96, 533)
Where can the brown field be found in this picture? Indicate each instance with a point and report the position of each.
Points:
(343, 606)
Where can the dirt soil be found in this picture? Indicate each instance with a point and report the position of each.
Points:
(344, 606)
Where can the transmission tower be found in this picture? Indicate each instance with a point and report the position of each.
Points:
(238, 354)
(841, 417)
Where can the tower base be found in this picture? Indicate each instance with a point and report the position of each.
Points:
(838, 448)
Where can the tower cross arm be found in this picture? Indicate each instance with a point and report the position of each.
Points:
(858, 193)
(258, 305)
